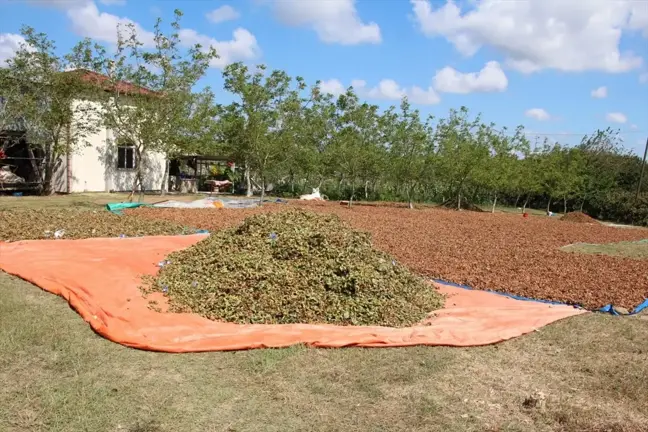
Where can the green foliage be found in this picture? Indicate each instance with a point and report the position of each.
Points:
(45, 102)
(35, 224)
(294, 267)
(411, 149)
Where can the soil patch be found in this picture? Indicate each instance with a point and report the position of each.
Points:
(294, 267)
(504, 252)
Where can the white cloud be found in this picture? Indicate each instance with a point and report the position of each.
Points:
(60, 4)
(386, 89)
(87, 21)
(599, 93)
(421, 96)
(490, 79)
(537, 114)
(9, 44)
(643, 78)
(639, 17)
(634, 127)
(334, 21)
(113, 2)
(222, 14)
(540, 34)
(243, 46)
(616, 117)
(332, 86)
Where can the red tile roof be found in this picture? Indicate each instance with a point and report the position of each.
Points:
(105, 82)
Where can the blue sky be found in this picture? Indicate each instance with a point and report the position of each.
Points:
(556, 67)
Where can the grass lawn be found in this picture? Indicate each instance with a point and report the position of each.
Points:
(57, 375)
(84, 200)
(586, 373)
(637, 250)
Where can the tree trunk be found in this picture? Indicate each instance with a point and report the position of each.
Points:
(526, 201)
(141, 186)
(138, 176)
(582, 205)
(352, 194)
(140, 181)
(263, 188)
(248, 181)
(366, 186)
(48, 171)
(133, 189)
(548, 204)
(47, 180)
(410, 203)
(494, 204)
(517, 200)
(565, 204)
(165, 178)
(459, 201)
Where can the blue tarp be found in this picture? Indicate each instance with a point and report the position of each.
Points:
(607, 309)
(610, 309)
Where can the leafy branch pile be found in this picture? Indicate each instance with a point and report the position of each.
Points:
(578, 217)
(34, 224)
(294, 267)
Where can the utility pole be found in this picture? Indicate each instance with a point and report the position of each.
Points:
(643, 167)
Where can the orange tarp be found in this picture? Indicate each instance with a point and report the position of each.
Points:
(100, 279)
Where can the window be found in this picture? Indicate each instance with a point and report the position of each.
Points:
(126, 157)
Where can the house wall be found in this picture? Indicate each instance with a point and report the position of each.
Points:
(94, 168)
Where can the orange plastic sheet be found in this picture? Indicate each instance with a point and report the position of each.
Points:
(100, 280)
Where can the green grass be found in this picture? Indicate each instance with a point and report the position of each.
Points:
(85, 200)
(636, 250)
(57, 375)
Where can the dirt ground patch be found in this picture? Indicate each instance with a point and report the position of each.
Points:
(504, 252)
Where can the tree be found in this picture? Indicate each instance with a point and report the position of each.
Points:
(310, 156)
(527, 180)
(356, 152)
(499, 173)
(52, 105)
(258, 124)
(463, 146)
(410, 148)
(561, 172)
(600, 152)
(151, 104)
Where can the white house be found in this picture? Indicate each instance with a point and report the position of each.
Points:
(104, 166)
